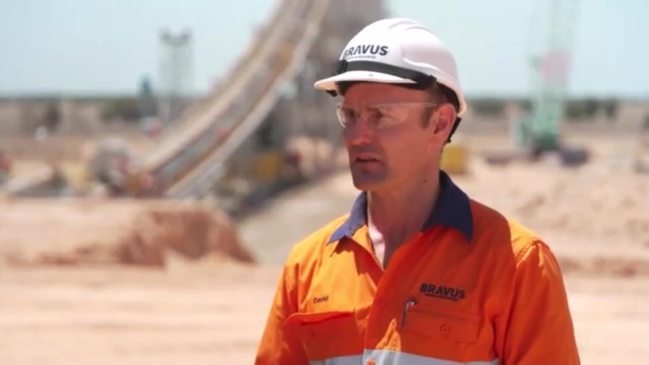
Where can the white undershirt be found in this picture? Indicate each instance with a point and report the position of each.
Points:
(378, 242)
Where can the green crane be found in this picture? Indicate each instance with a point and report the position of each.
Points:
(539, 131)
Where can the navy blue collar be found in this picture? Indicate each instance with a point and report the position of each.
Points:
(453, 209)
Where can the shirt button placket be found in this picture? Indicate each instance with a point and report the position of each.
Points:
(376, 312)
(445, 330)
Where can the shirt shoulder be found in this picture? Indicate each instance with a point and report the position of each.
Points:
(500, 232)
(312, 246)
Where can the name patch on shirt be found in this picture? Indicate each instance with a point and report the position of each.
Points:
(320, 299)
(441, 291)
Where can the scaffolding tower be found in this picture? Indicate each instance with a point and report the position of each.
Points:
(175, 72)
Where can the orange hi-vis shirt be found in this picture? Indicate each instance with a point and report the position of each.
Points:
(472, 287)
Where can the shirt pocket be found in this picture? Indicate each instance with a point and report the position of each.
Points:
(327, 334)
(435, 325)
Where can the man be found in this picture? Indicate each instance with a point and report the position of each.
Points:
(416, 273)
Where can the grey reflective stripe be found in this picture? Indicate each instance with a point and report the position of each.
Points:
(340, 360)
(386, 357)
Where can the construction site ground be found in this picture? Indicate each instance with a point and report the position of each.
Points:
(212, 309)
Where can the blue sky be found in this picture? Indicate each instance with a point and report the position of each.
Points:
(100, 46)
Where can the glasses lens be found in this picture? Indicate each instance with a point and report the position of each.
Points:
(378, 116)
(345, 115)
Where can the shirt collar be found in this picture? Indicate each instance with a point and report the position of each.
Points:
(453, 209)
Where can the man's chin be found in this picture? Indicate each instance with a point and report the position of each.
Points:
(367, 182)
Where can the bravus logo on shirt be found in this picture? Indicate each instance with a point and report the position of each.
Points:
(365, 50)
(441, 291)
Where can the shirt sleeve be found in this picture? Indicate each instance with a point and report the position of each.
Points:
(539, 329)
(279, 344)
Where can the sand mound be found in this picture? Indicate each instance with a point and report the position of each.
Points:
(77, 232)
(590, 202)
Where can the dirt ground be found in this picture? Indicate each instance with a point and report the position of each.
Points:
(208, 313)
(212, 310)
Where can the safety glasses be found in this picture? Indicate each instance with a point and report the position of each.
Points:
(379, 116)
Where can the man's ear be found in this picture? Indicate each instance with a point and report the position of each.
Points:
(442, 121)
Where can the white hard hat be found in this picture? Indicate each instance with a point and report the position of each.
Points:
(397, 51)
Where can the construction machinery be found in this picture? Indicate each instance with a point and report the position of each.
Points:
(539, 132)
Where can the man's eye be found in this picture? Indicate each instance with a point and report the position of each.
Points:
(374, 114)
(350, 114)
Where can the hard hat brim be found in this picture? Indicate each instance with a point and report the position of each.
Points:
(331, 83)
